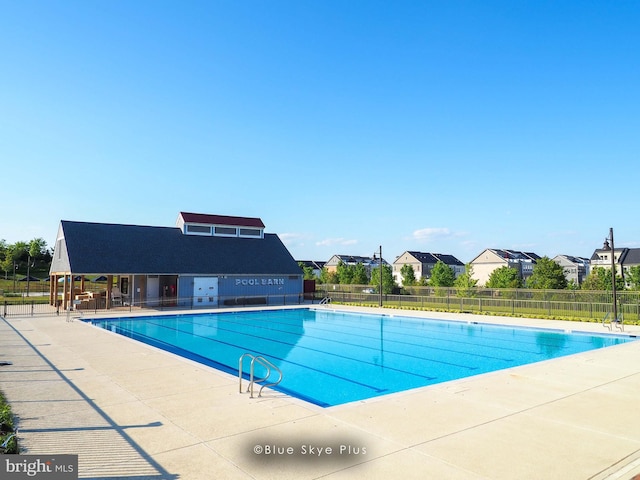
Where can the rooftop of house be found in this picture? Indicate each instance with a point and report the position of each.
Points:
(433, 258)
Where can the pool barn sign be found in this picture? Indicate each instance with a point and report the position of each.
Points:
(205, 260)
(259, 281)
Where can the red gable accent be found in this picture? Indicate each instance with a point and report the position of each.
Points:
(221, 220)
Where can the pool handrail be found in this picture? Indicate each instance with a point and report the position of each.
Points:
(252, 380)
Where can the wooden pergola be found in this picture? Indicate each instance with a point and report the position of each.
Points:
(69, 288)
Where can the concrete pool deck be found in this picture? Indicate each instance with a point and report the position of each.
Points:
(131, 411)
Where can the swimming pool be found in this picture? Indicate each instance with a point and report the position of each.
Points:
(331, 357)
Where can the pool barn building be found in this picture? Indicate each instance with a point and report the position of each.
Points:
(204, 261)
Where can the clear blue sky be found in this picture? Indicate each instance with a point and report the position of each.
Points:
(438, 126)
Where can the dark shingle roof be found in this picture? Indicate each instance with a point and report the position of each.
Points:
(423, 257)
(432, 258)
(448, 259)
(517, 255)
(632, 257)
(101, 248)
(312, 263)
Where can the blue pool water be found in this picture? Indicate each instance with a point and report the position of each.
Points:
(330, 358)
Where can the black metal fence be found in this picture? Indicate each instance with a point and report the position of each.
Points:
(31, 307)
(583, 305)
(578, 304)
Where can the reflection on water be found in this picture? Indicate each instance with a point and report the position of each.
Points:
(550, 343)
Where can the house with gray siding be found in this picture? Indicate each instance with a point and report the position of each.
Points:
(575, 269)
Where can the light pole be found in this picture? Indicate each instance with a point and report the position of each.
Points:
(613, 276)
(380, 264)
(28, 272)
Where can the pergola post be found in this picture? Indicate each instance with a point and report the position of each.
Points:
(52, 280)
(65, 292)
(109, 289)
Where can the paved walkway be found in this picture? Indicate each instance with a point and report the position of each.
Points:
(132, 412)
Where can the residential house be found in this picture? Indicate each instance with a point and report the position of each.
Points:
(623, 258)
(493, 258)
(369, 262)
(575, 269)
(423, 263)
(332, 264)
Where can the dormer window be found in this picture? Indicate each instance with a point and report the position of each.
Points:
(199, 229)
(226, 231)
(220, 225)
(250, 232)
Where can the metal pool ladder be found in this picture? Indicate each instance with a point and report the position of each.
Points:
(252, 380)
(618, 322)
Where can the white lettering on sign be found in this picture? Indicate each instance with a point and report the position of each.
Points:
(252, 282)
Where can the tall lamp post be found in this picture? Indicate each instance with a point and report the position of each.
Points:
(613, 276)
(380, 264)
(29, 265)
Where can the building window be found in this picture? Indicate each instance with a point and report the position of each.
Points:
(225, 231)
(199, 229)
(249, 232)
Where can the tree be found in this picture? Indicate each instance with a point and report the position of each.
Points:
(465, 283)
(345, 273)
(573, 285)
(442, 275)
(408, 275)
(6, 263)
(633, 277)
(360, 274)
(36, 247)
(504, 277)
(13, 255)
(20, 251)
(547, 275)
(307, 272)
(17, 256)
(388, 283)
(328, 277)
(600, 279)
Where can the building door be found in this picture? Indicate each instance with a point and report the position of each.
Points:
(205, 291)
(153, 290)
